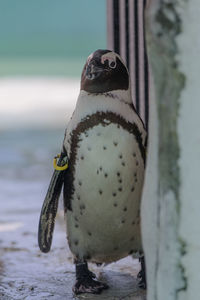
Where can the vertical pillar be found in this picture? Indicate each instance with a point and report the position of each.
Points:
(170, 208)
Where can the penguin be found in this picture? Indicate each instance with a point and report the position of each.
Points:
(104, 149)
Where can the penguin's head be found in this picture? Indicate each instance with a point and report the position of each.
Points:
(103, 72)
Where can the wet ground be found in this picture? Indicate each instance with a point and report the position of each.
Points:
(25, 272)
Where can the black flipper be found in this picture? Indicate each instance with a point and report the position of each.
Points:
(50, 206)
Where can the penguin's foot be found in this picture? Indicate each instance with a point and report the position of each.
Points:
(89, 285)
(142, 274)
(85, 282)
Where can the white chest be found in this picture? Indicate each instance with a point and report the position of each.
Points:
(104, 223)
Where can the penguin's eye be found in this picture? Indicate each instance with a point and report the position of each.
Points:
(112, 64)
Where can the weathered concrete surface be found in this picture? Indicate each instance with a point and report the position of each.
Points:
(162, 245)
(172, 227)
(26, 273)
(189, 140)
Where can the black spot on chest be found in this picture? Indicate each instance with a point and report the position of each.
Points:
(105, 119)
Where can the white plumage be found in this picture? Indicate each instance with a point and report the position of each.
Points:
(104, 224)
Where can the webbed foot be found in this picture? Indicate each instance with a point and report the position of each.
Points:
(85, 282)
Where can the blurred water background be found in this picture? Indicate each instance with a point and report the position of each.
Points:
(48, 37)
(43, 47)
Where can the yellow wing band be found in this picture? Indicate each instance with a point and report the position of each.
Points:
(56, 167)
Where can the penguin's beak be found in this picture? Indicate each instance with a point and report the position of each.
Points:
(93, 71)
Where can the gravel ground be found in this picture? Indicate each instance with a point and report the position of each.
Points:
(26, 273)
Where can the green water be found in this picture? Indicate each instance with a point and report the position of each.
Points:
(28, 66)
(48, 37)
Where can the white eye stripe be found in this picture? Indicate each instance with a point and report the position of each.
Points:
(111, 61)
(110, 56)
(89, 58)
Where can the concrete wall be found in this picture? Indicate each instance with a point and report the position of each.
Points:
(171, 204)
